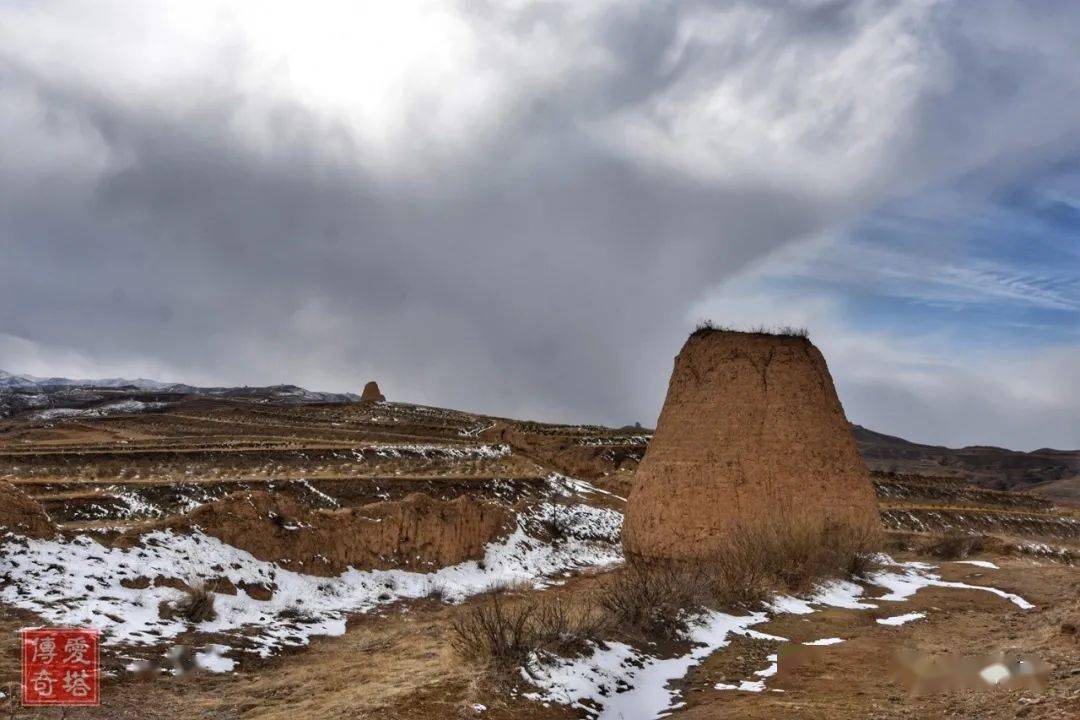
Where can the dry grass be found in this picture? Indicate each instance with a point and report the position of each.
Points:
(500, 632)
(704, 327)
(656, 599)
(800, 554)
(197, 605)
(503, 586)
(954, 545)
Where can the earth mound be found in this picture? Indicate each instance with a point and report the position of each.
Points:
(22, 515)
(371, 393)
(751, 432)
(416, 532)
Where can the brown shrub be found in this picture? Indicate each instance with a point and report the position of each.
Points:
(500, 634)
(197, 605)
(954, 545)
(800, 553)
(655, 599)
(896, 541)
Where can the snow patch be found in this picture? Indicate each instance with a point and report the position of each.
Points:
(901, 619)
(213, 659)
(79, 582)
(914, 578)
(754, 685)
(624, 682)
(123, 406)
(825, 641)
(618, 682)
(568, 486)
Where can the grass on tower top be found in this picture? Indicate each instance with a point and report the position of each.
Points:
(706, 327)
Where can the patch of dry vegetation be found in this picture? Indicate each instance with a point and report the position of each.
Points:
(656, 599)
(501, 632)
(197, 606)
(954, 545)
(704, 327)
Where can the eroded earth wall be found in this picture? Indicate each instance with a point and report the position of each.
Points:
(22, 515)
(417, 532)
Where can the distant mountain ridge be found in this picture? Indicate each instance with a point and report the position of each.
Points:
(1049, 472)
(45, 396)
(11, 380)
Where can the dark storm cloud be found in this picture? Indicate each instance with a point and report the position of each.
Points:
(547, 269)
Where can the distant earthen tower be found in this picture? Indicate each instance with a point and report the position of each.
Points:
(371, 393)
(751, 430)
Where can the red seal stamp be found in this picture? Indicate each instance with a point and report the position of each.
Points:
(60, 666)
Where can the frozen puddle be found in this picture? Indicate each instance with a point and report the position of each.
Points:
(618, 682)
(79, 582)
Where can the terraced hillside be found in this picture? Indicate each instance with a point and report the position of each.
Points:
(320, 559)
(927, 504)
(1049, 472)
(106, 473)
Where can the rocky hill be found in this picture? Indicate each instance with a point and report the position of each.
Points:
(1053, 473)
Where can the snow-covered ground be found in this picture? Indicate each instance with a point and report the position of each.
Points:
(625, 682)
(618, 682)
(755, 685)
(79, 582)
(116, 408)
(568, 487)
(825, 641)
(430, 451)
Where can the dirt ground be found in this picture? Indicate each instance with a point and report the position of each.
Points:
(400, 664)
(859, 678)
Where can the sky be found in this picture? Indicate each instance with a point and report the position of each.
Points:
(522, 208)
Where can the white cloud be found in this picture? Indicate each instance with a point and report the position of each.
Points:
(825, 113)
(917, 382)
(508, 206)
